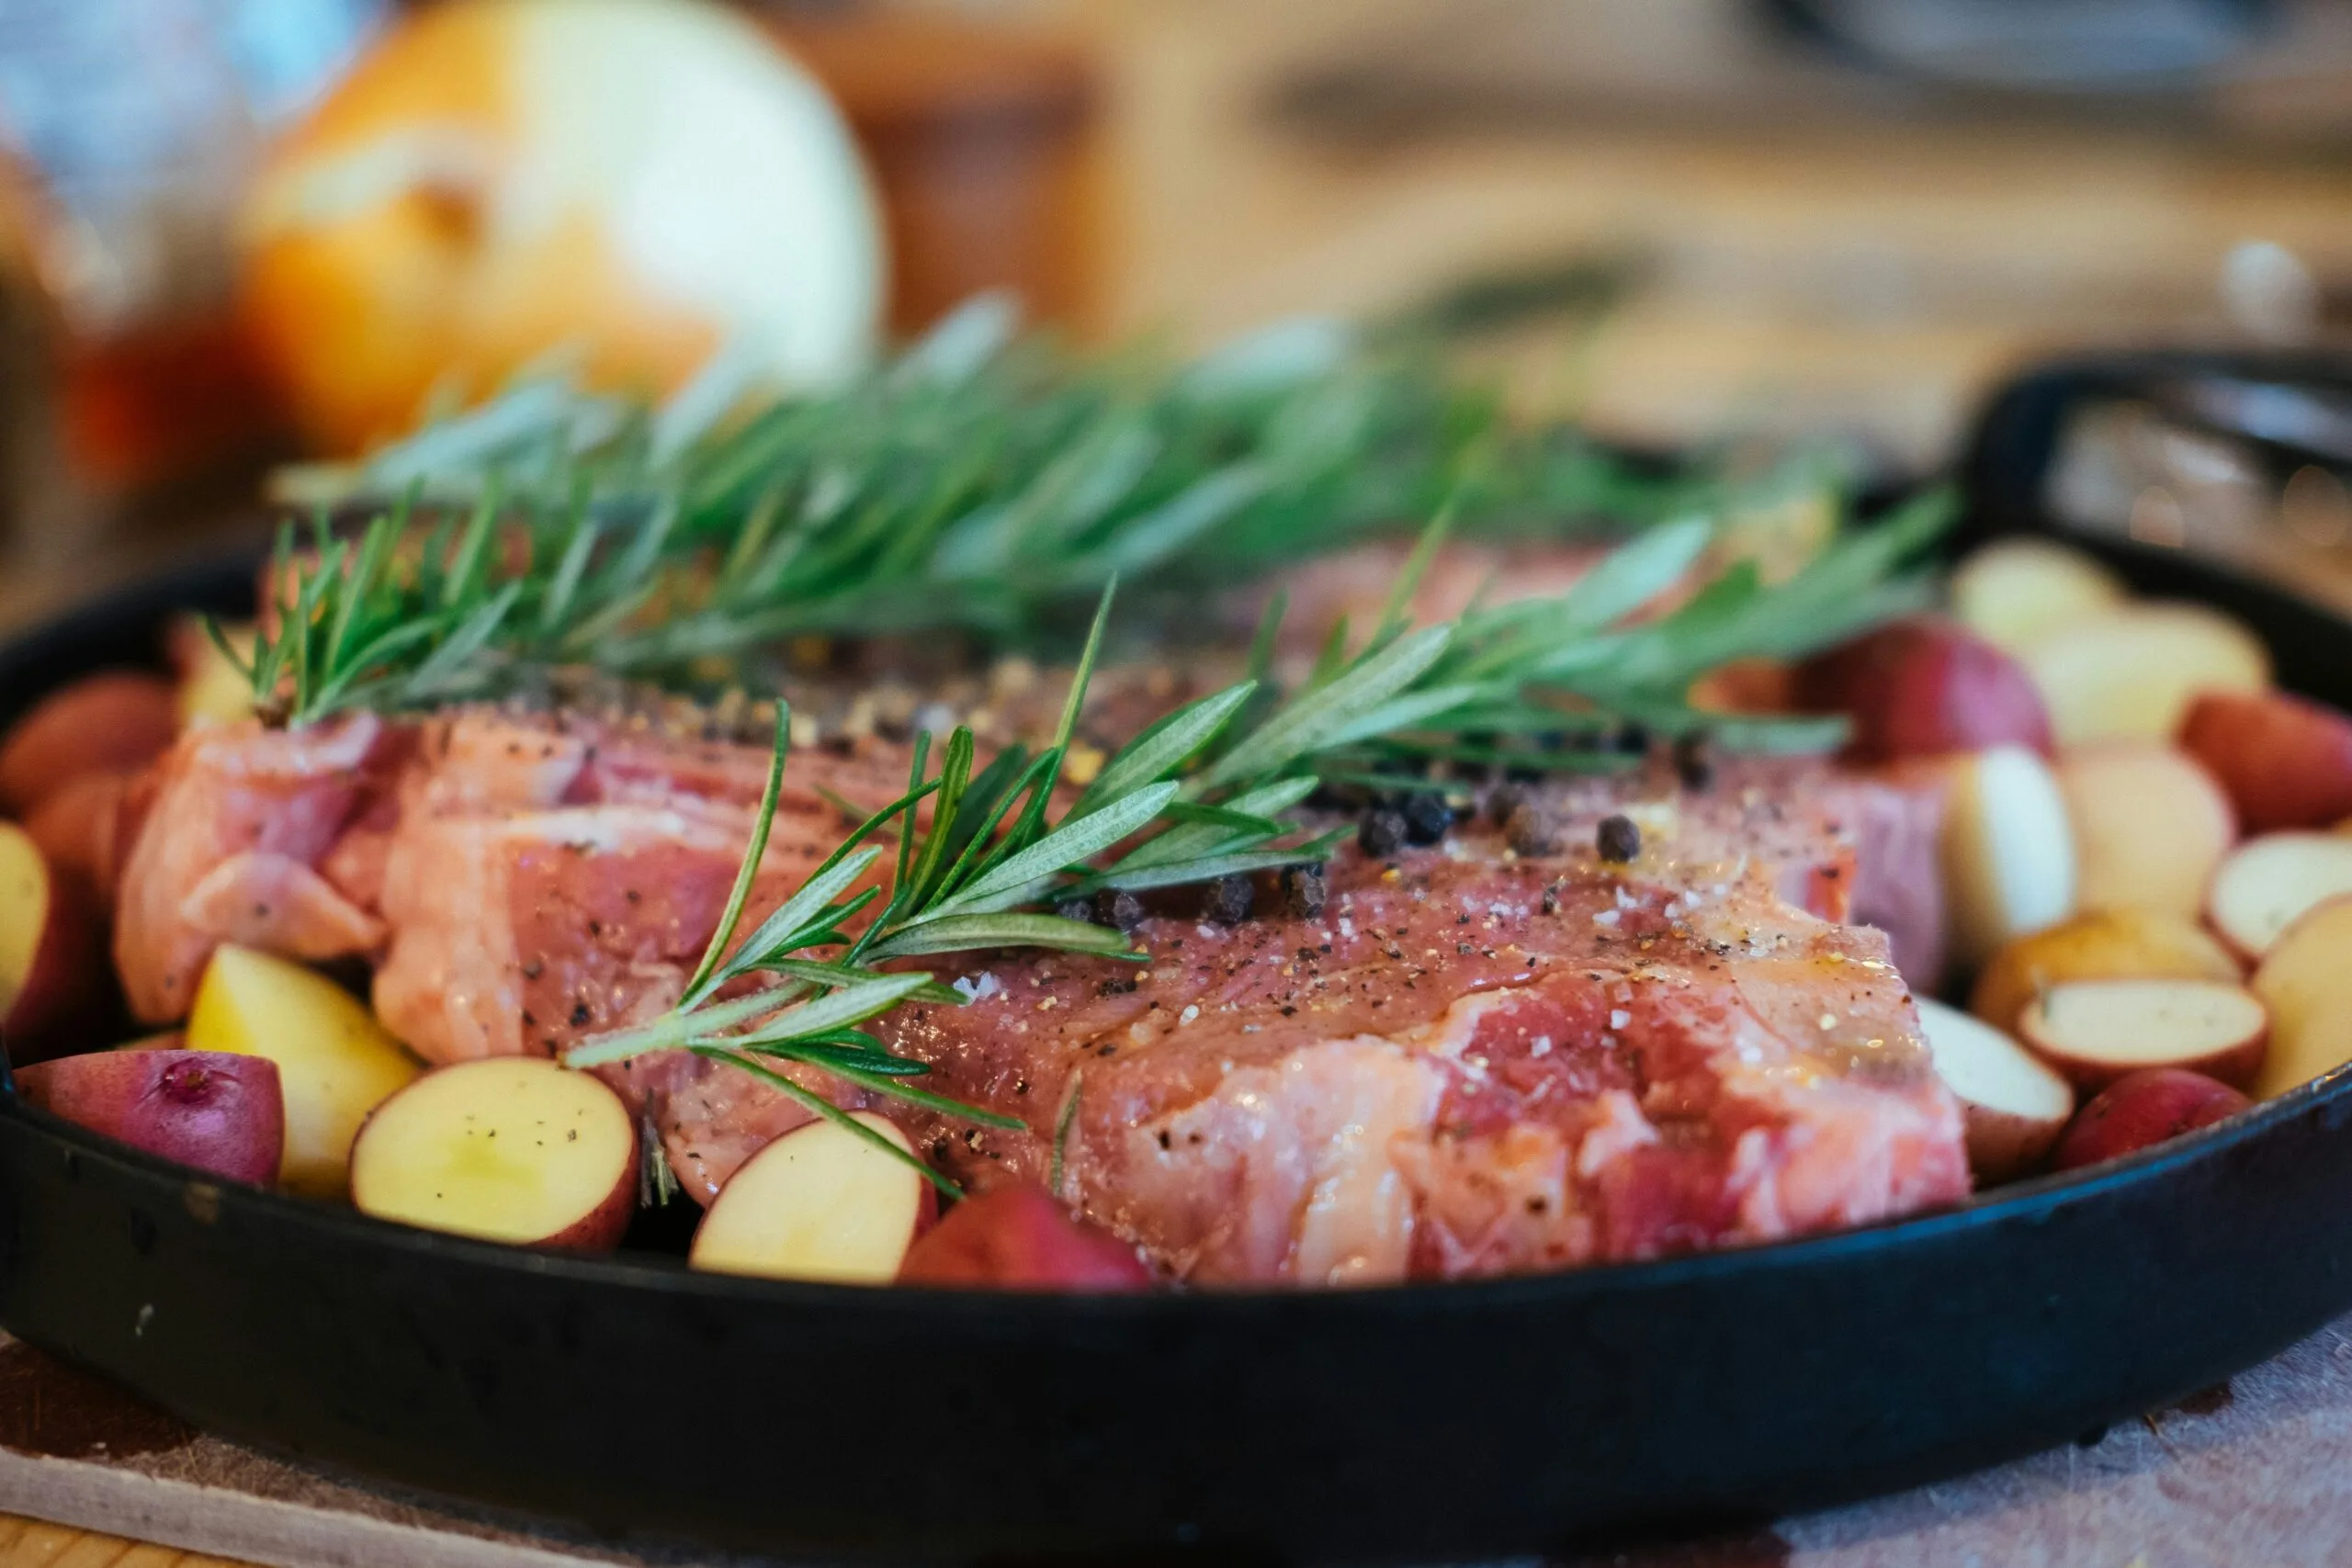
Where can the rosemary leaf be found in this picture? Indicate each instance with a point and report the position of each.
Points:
(968, 933)
(761, 822)
(828, 1110)
(1162, 749)
(1313, 721)
(1070, 845)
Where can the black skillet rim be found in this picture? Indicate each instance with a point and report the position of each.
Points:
(2199, 1172)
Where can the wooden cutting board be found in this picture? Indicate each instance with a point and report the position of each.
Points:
(2255, 1471)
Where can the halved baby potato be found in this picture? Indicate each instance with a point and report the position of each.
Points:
(2265, 885)
(103, 723)
(2287, 762)
(209, 1110)
(2015, 593)
(2306, 982)
(2132, 674)
(1020, 1237)
(336, 1062)
(1924, 687)
(507, 1148)
(49, 952)
(820, 1202)
(2014, 1104)
(2150, 826)
(2142, 1110)
(2098, 945)
(2095, 1031)
(2007, 851)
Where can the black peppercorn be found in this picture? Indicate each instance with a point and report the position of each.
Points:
(1533, 830)
(1226, 902)
(1117, 907)
(1427, 816)
(1076, 909)
(1304, 890)
(1619, 841)
(1632, 740)
(1382, 833)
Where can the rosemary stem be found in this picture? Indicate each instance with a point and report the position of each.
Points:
(678, 1028)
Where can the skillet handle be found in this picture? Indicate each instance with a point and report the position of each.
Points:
(2294, 406)
(2287, 408)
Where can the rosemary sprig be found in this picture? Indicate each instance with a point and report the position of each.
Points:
(1180, 803)
(980, 481)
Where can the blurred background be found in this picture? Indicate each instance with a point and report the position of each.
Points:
(237, 232)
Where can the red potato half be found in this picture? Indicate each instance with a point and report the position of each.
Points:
(507, 1148)
(207, 1109)
(2133, 672)
(1020, 1238)
(820, 1202)
(2142, 1110)
(2015, 1106)
(2098, 944)
(2006, 850)
(1923, 688)
(48, 952)
(108, 723)
(2150, 826)
(2267, 884)
(2095, 1031)
(2306, 982)
(2286, 763)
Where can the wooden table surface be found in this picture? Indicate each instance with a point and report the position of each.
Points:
(33, 1543)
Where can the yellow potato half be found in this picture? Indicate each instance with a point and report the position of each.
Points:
(335, 1062)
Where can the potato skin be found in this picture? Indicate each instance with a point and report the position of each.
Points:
(1923, 688)
(65, 982)
(2236, 1063)
(2132, 674)
(601, 1229)
(205, 1108)
(2151, 824)
(2140, 1110)
(2099, 945)
(1019, 1238)
(2284, 761)
(115, 722)
(2305, 982)
(379, 1138)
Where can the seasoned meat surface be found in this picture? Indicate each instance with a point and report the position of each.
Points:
(1467, 1065)
(259, 837)
(1492, 1054)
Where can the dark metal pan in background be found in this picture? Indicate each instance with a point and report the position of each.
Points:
(629, 1397)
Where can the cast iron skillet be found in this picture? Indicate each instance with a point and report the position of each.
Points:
(633, 1398)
